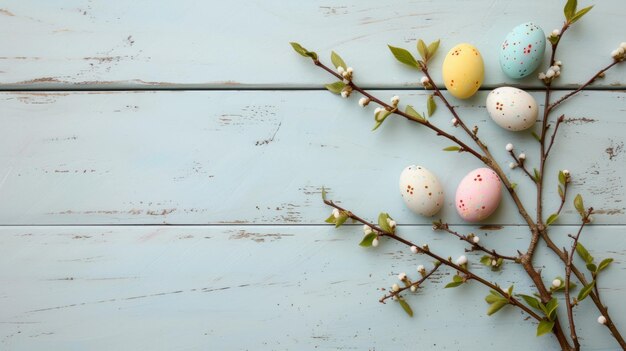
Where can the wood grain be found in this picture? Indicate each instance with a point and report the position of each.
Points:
(84, 44)
(284, 288)
(262, 157)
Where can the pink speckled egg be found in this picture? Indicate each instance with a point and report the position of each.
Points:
(478, 194)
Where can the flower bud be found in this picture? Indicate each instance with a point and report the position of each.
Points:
(522, 156)
(375, 242)
(349, 70)
(602, 320)
(402, 276)
(512, 165)
(395, 100)
(455, 122)
(414, 249)
(556, 32)
(550, 73)
(475, 239)
(509, 147)
(395, 287)
(461, 260)
(345, 94)
(556, 283)
(336, 213)
(413, 288)
(367, 229)
(340, 70)
(364, 101)
(421, 269)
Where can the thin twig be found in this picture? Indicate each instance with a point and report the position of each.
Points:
(520, 164)
(556, 128)
(416, 284)
(475, 246)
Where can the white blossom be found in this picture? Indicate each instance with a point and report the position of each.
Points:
(623, 45)
(345, 94)
(542, 76)
(367, 229)
(522, 156)
(340, 69)
(550, 73)
(509, 147)
(512, 165)
(558, 63)
(620, 50)
(494, 263)
(392, 223)
(555, 68)
(421, 269)
(364, 101)
(395, 100)
(413, 288)
(556, 283)
(395, 287)
(566, 172)
(414, 249)
(602, 320)
(556, 32)
(336, 213)
(475, 239)
(424, 80)
(375, 242)
(461, 260)
(614, 54)
(349, 70)
(590, 219)
(402, 276)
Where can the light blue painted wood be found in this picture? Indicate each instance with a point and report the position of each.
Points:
(265, 288)
(187, 43)
(262, 157)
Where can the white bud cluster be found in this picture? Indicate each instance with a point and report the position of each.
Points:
(395, 100)
(552, 72)
(618, 54)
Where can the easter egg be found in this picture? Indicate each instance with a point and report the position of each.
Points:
(421, 191)
(522, 50)
(512, 108)
(478, 194)
(463, 71)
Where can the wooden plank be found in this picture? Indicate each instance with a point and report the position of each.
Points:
(262, 157)
(244, 43)
(283, 288)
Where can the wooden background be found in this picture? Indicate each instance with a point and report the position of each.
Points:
(161, 166)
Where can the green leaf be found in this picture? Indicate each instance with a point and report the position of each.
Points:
(537, 175)
(422, 49)
(551, 307)
(536, 136)
(302, 51)
(592, 267)
(341, 220)
(561, 177)
(452, 148)
(544, 327)
(578, 204)
(452, 285)
(457, 279)
(337, 60)
(368, 239)
(330, 219)
(381, 115)
(580, 14)
(431, 105)
(531, 301)
(414, 114)
(570, 9)
(583, 253)
(584, 292)
(406, 307)
(496, 306)
(404, 56)
(493, 297)
(486, 260)
(336, 87)
(605, 263)
(553, 217)
(513, 185)
(382, 222)
(432, 48)
(323, 194)
(561, 193)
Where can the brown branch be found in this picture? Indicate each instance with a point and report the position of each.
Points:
(556, 128)
(568, 273)
(475, 246)
(426, 251)
(558, 212)
(520, 164)
(416, 284)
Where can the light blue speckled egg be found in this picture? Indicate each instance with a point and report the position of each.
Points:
(522, 50)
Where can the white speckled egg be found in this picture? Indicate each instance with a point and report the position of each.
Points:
(512, 108)
(478, 194)
(421, 191)
(522, 50)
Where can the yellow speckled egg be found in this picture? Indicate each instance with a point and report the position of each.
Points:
(463, 71)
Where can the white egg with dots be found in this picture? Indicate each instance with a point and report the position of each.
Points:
(421, 191)
(512, 109)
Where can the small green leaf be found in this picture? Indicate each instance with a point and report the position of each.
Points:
(337, 60)
(422, 49)
(583, 253)
(544, 327)
(341, 220)
(592, 267)
(513, 185)
(493, 297)
(531, 301)
(457, 279)
(381, 115)
(536, 136)
(553, 217)
(496, 306)
(382, 222)
(578, 204)
(302, 51)
(431, 105)
(561, 193)
(452, 285)
(580, 14)
(368, 239)
(586, 290)
(414, 114)
(537, 175)
(323, 194)
(605, 263)
(452, 148)
(486, 260)
(336, 87)
(432, 48)
(404, 56)
(551, 307)
(330, 219)
(561, 177)
(570, 9)
(406, 307)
